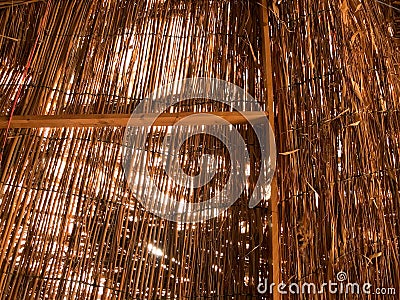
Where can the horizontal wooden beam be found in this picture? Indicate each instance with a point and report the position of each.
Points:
(122, 120)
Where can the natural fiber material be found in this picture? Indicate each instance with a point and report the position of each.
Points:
(337, 102)
(70, 228)
(13, 3)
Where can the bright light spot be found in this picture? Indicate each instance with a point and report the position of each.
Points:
(154, 250)
(244, 227)
(248, 170)
(181, 206)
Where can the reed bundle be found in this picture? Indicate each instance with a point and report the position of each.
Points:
(337, 102)
(70, 226)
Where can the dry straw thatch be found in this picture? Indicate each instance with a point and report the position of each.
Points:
(337, 101)
(69, 225)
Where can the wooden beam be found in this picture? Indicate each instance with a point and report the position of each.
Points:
(274, 208)
(121, 120)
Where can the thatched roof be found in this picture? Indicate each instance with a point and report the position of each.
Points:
(70, 226)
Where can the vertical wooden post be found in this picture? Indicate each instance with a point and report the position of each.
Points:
(274, 226)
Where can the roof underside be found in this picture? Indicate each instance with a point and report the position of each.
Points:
(71, 227)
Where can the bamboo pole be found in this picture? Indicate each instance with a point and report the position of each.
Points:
(274, 227)
(100, 120)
